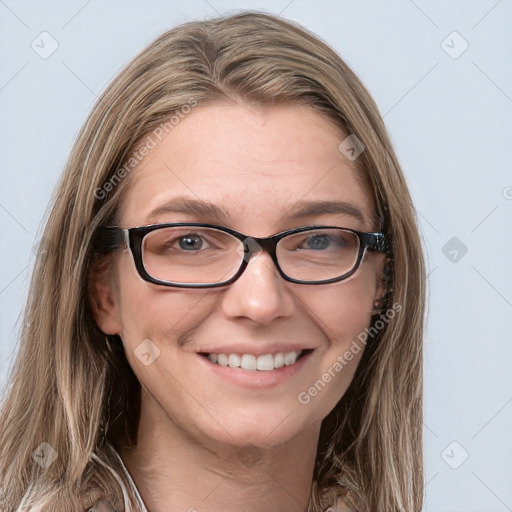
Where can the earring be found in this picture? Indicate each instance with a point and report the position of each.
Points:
(378, 305)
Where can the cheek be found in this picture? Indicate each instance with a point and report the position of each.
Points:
(343, 311)
(150, 311)
(345, 308)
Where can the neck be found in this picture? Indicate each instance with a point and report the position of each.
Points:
(174, 471)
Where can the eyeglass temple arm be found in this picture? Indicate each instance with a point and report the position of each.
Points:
(378, 243)
(110, 238)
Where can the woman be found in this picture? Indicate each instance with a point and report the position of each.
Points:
(227, 310)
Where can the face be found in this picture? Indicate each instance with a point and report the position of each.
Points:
(257, 165)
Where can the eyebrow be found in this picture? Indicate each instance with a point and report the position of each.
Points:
(190, 206)
(209, 210)
(310, 208)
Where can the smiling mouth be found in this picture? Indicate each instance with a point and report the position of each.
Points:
(262, 363)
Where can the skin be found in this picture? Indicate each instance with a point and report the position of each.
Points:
(195, 427)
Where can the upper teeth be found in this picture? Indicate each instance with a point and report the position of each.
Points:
(265, 362)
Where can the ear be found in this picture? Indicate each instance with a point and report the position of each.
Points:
(103, 299)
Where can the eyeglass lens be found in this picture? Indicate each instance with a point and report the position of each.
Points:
(192, 255)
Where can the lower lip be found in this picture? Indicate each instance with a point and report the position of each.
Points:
(256, 379)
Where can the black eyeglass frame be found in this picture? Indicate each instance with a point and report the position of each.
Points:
(111, 238)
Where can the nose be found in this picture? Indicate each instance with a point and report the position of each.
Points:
(260, 293)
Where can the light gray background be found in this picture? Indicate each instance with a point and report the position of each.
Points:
(449, 115)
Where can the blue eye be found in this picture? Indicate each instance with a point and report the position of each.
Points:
(190, 242)
(318, 242)
(321, 242)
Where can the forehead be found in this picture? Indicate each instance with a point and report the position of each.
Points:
(255, 163)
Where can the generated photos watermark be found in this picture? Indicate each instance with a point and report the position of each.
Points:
(44, 455)
(351, 147)
(144, 148)
(305, 397)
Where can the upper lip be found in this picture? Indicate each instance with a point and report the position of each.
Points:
(257, 350)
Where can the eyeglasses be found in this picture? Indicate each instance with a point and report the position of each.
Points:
(196, 255)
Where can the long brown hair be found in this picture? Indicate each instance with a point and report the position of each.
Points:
(73, 391)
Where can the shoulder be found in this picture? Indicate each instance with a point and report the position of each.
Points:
(123, 497)
(131, 494)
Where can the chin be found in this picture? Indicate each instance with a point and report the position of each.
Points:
(261, 428)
